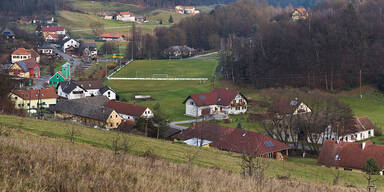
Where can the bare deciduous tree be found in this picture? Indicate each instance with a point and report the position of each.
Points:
(72, 132)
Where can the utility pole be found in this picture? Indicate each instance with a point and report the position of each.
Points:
(361, 94)
(146, 127)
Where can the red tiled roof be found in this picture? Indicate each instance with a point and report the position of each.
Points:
(31, 63)
(350, 155)
(284, 106)
(33, 94)
(126, 13)
(110, 36)
(233, 139)
(354, 125)
(219, 96)
(125, 108)
(23, 51)
(52, 28)
(301, 10)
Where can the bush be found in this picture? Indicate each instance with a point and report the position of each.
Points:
(378, 131)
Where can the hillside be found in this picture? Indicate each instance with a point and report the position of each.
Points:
(35, 163)
(56, 132)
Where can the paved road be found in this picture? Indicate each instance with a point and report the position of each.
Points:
(74, 61)
(39, 83)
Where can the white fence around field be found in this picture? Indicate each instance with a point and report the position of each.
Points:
(118, 69)
(158, 79)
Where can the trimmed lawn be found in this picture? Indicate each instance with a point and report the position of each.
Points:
(173, 68)
(296, 168)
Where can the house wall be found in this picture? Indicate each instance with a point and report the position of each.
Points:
(358, 136)
(78, 119)
(110, 94)
(191, 108)
(45, 51)
(55, 79)
(147, 113)
(20, 74)
(73, 95)
(126, 18)
(238, 105)
(127, 117)
(92, 92)
(16, 58)
(113, 121)
(20, 103)
(302, 107)
(71, 43)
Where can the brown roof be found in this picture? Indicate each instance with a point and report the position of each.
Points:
(284, 105)
(30, 63)
(219, 96)
(231, 139)
(350, 155)
(125, 108)
(90, 84)
(301, 10)
(23, 51)
(355, 125)
(52, 28)
(33, 94)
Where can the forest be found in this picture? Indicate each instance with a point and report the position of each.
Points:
(31, 7)
(339, 44)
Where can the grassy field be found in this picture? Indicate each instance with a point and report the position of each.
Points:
(302, 170)
(173, 68)
(170, 94)
(37, 163)
(95, 8)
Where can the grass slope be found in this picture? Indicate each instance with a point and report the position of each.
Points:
(35, 163)
(206, 157)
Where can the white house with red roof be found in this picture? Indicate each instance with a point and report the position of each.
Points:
(112, 37)
(129, 111)
(57, 30)
(220, 101)
(21, 54)
(125, 16)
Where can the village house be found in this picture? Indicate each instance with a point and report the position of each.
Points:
(350, 155)
(69, 43)
(351, 130)
(25, 69)
(53, 30)
(88, 49)
(129, 111)
(234, 140)
(21, 54)
(141, 19)
(125, 16)
(8, 33)
(284, 106)
(179, 52)
(45, 49)
(24, 20)
(70, 90)
(188, 10)
(220, 102)
(34, 98)
(92, 87)
(109, 37)
(61, 76)
(299, 14)
(90, 115)
(109, 93)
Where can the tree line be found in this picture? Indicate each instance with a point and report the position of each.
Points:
(31, 7)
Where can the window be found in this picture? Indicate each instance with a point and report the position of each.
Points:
(244, 107)
(116, 116)
(369, 132)
(234, 101)
(19, 105)
(15, 98)
(237, 108)
(57, 76)
(240, 100)
(110, 116)
(111, 124)
(28, 104)
(109, 93)
(346, 138)
(24, 57)
(191, 103)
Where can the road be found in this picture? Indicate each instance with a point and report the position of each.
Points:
(176, 124)
(39, 83)
(74, 61)
(119, 27)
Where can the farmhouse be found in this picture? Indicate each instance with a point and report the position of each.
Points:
(108, 37)
(219, 102)
(129, 111)
(69, 43)
(32, 99)
(90, 115)
(351, 130)
(91, 86)
(53, 30)
(235, 140)
(350, 154)
(25, 69)
(88, 49)
(70, 90)
(125, 16)
(189, 10)
(21, 54)
(61, 76)
(285, 106)
(299, 14)
(109, 93)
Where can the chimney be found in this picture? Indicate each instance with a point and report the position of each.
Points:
(363, 144)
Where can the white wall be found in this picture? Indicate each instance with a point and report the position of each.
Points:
(239, 109)
(302, 107)
(71, 43)
(127, 117)
(110, 94)
(76, 96)
(147, 113)
(90, 92)
(190, 108)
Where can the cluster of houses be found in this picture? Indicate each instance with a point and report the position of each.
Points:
(24, 64)
(187, 10)
(124, 17)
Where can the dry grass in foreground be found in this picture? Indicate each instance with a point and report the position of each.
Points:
(34, 163)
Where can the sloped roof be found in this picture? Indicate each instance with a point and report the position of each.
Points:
(233, 139)
(284, 105)
(90, 84)
(8, 32)
(24, 51)
(84, 110)
(125, 108)
(355, 125)
(30, 63)
(22, 65)
(96, 100)
(58, 73)
(52, 28)
(111, 36)
(126, 13)
(219, 96)
(34, 94)
(104, 89)
(301, 10)
(69, 86)
(350, 154)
